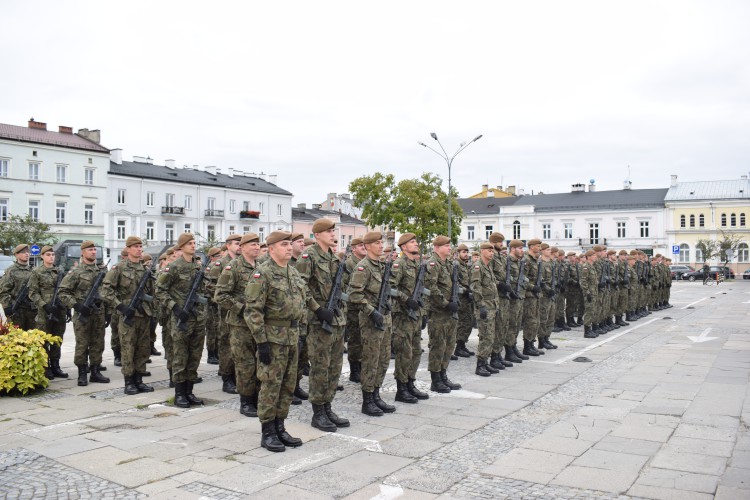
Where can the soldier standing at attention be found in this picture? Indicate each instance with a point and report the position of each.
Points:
(274, 305)
(88, 324)
(441, 326)
(486, 307)
(303, 360)
(518, 283)
(572, 290)
(230, 295)
(590, 288)
(11, 285)
(51, 316)
(212, 316)
(187, 339)
(364, 290)
(465, 307)
(118, 289)
(353, 333)
(533, 294)
(114, 324)
(263, 254)
(407, 320)
(226, 362)
(163, 313)
(318, 268)
(499, 267)
(563, 273)
(547, 300)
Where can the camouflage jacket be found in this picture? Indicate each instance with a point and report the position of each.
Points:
(121, 283)
(11, 284)
(318, 270)
(484, 286)
(230, 290)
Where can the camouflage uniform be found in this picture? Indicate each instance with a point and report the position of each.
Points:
(353, 333)
(165, 318)
(303, 359)
(212, 312)
(563, 269)
(41, 289)
(226, 362)
(486, 303)
(465, 306)
(531, 300)
(442, 326)
(547, 300)
(114, 337)
(499, 267)
(406, 331)
(515, 305)
(11, 284)
(573, 295)
(589, 288)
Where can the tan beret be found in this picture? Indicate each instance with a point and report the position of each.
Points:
(133, 240)
(474, 253)
(462, 247)
(589, 253)
(571, 254)
(486, 246)
(297, 236)
(554, 250)
(657, 255)
(309, 241)
(356, 241)
(146, 257)
(170, 251)
(264, 244)
(497, 237)
(596, 248)
(20, 248)
(277, 236)
(163, 257)
(406, 238)
(124, 252)
(233, 237)
(248, 238)
(372, 237)
(87, 244)
(545, 246)
(535, 241)
(224, 247)
(46, 248)
(516, 244)
(184, 239)
(611, 252)
(323, 224)
(214, 251)
(440, 241)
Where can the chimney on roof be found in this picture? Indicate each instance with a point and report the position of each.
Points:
(91, 135)
(592, 185)
(218, 170)
(499, 188)
(170, 164)
(673, 183)
(37, 125)
(512, 190)
(139, 159)
(490, 193)
(272, 179)
(65, 130)
(262, 176)
(230, 171)
(485, 187)
(211, 170)
(317, 206)
(578, 188)
(302, 206)
(115, 156)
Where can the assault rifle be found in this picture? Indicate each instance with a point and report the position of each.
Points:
(336, 296)
(385, 291)
(603, 277)
(521, 277)
(454, 286)
(553, 286)
(626, 275)
(537, 284)
(140, 296)
(89, 307)
(193, 297)
(419, 289)
(55, 302)
(509, 294)
(23, 296)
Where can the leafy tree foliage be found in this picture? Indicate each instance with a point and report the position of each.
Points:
(24, 229)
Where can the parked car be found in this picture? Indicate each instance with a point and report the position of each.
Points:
(746, 275)
(679, 269)
(698, 275)
(5, 262)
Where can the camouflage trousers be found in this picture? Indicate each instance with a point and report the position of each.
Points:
(589, 311)
(442, 331)
(530, 318)
(407, 345)
(353, 335)
(187, 348)
(24, 318)
(515, 317)
(326, 351)
(114, 327)
(226, 363)
(55, 327)
(486, 333)
(166, 337)
(135, 344)
(212, 328)
(376, 351)
(546, 316)
(277, 381)
(560, 307)
(244, 350)
(303, 357)
(622, 301)
(89, 339)
(574, 302)
(501, 326)
(465, 321)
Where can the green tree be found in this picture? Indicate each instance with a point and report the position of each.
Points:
(418, 206)
(204, 243)
(24, 229)
(728, 241)
(708, 247)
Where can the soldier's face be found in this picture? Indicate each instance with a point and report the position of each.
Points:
(410, 248)
(135, 252)
(250, 250)
(464, 255)
(48, 258)
(262, 250)
(327, 237)
(535, 249)
(359, 251)
(23, 257)
(374, 249)
(474, 257)
(89, 255)
(443, 251)
(487, 254)
(281, 251)
(547, 252)
(298, 246)
(233, 247)
(188, 249)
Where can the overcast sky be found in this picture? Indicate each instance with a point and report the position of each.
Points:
(320, 93)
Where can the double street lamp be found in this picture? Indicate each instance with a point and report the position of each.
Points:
(449, 161)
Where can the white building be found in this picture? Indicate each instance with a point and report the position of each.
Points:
(575, 221)
(56, 177)
(341, 203)
(158, 202)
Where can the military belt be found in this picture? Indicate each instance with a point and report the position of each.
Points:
(279, 322)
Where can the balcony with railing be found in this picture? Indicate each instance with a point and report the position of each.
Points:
(249, 214)
(211, 212)
(173, 210)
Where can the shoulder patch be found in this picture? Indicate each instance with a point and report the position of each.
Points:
(217, 263)
(476, 267)
(360, 268)
(256, 275)
(228, 268)
(166, 269)
(395, 265)
(305, 256)
(432, 264)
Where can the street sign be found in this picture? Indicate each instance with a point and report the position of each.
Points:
(675, 249)
(35, 249)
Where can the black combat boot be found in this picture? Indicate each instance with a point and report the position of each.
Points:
(56, 370)
(171, 381)
(154, 352)
(368, 405)
(192, 398)
(416, 392)
(580, 320)
(102, 368)
(460, 350)
(629, 316)
(301, 393)
(588, 333)
(453, 385)
(556, 328)
(564, 325)
(540, 347)
(572, 322)
(337, 421)
(403, 395)
(469, 351)
(387, 408)
(269, 439)
(355, 371)
(82, 375)
(213, 358)
(130, 388)
(596, 329)
(140, 385)
(510, 356)
(118, 359)
(437, 383)
(228, 386)
(295, 400)
(320, 419)
(247, 408)
(48, 370)
(495, 362)
(285, 438)
(529, 349)
(548, 344)
(180, 395)
(612, 324)
(620, 321)
(518, 353)
(96, 376)
(482, 368)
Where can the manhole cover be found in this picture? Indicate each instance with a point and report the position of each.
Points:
(667, 317)
(582, 359)
(691, 307)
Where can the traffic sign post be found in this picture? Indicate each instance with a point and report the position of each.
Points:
(35, 249)
(675, 249)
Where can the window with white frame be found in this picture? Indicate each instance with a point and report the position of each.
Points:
(733, 220)
(743, 253)
(150, 198)
(232, 206)
(698, 254)
(278, 209)
(683, 221)
(62, 173)
(742, 219)
(33, 171)
(61, 207)
(488, 231)
(262, 234)
(516, 230)
(245, 206)
(701, 221)
(261, 207)
(621, 229)
(120, 229)
(169, 199)
(211, 204)
(469, 232)
(3, 167)
(169, 233)
(231, 229)
(88, 214)
(684, 252)
(546, 231)
(150, 231)
(4, 209)
(593, 233)
(188, 227)
(723, 220)
(211, 232)
(34, 209)
(120, 196)
(88, 176)
(644, 229)
(188, 202)
(568, 230)
(692, 221)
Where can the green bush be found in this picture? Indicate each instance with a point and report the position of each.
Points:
(23, 359)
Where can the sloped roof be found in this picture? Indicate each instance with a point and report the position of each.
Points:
(38, 136)
(312, 214)
(709, 190)
(198, 177)
(485, 205)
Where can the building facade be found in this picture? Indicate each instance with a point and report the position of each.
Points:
(341, 203)
(347, 227)
(55, 177)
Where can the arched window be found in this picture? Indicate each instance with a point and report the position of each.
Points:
(701, 221)
(733, 220)
(682, 221)
(692, 221)
(723, 220)
(743, 254)
(684, 252)
(742, 219)
(698, 255)
(516, 230)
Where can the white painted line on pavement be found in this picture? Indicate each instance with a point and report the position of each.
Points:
(79, 421)
(388, 492)
(693, 303)
(300, 464)
(372, 445)
(702, 337)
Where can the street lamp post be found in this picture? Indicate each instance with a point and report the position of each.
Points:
(449, 161)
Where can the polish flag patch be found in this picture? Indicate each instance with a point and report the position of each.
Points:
(305, 256)
(395, 265)
(432, 264)
(228, 268)
(256, 275)
(476, 267)
(360, 268)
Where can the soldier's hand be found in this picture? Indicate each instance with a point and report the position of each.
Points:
(377, 319)
(107, 320)
(81, 309)
(179, 313)
(264, 353)
(324, 315)
(536, 289)
(126, 311)
(49, 308)
(588, 297)
(412, 304)
(452, 307)
(425, 319)
(482, 313)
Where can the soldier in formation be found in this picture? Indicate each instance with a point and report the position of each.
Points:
(466, 307)
(212, 316)
(352, 332)
(14, 290)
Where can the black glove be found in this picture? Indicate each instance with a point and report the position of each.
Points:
(412, 304)
(264, 353)
(482, 313)
(181, 315)
(424, 322)
(49, 308)
(588, 297)
(467, 293)
(602, 286)
(377, 319)
(126, 311)
(536, 289)
(551, 294)
(324, 315)
(81, 309)
(107, 319)
(452, 307)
